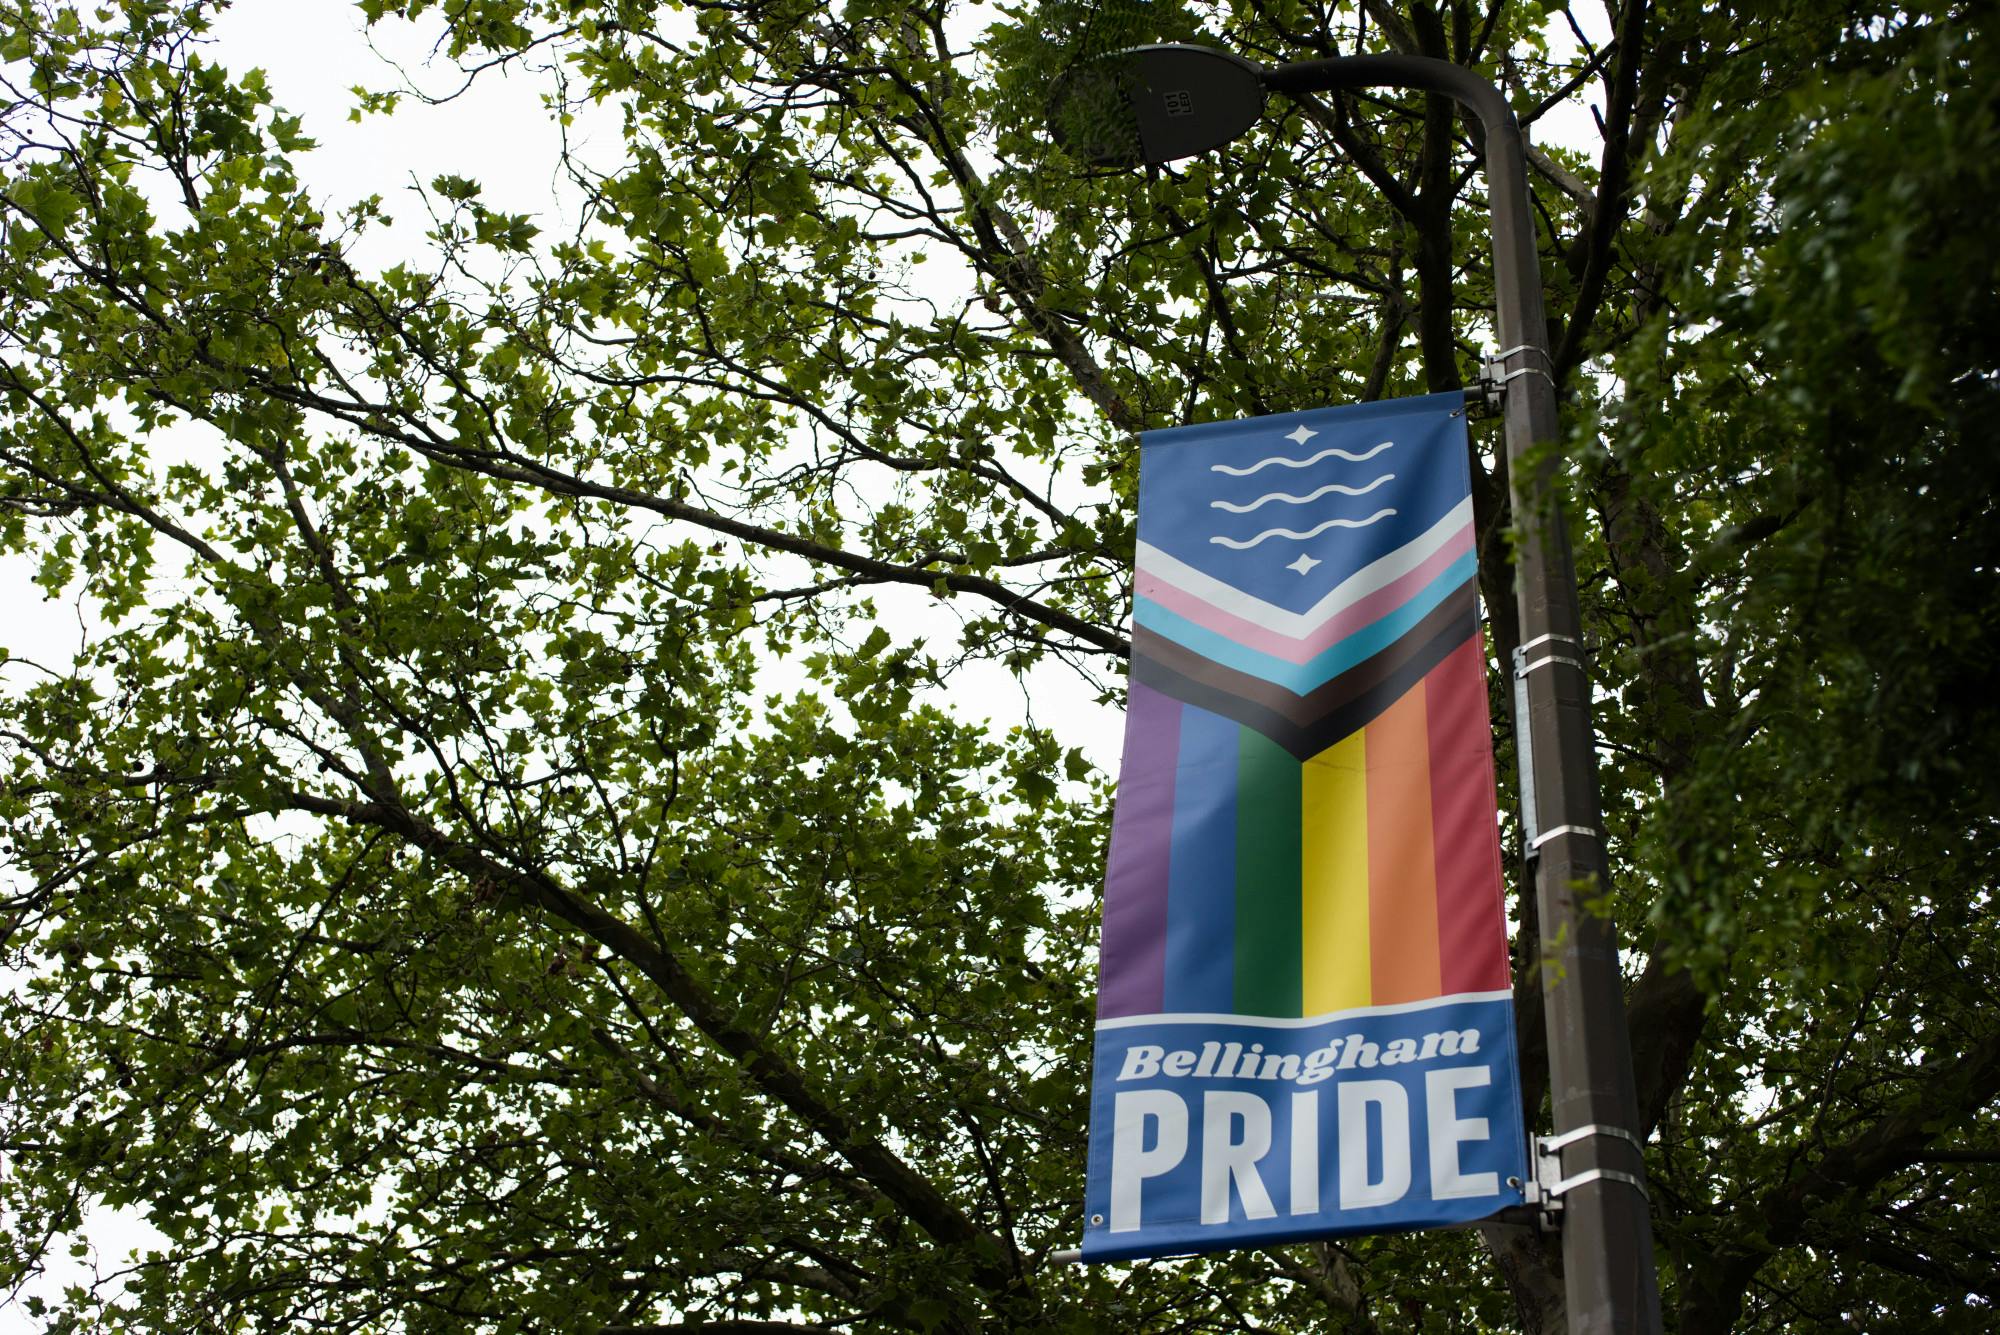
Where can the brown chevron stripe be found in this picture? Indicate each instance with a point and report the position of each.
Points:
(1367, 689)
(1304, 710)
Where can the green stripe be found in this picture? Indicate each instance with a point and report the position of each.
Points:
(1268, 949)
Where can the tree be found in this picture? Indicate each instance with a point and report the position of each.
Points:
(425, 909)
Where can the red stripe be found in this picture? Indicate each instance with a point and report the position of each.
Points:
(1472, 921)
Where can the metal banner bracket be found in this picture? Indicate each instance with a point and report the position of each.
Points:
(1495, 373)
(1543, 651)
(1548, 1186)
(1524, 753)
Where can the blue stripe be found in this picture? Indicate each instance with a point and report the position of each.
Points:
(1201, 878)
(1300, 678)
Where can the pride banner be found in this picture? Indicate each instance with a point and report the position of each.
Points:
(1305, 1022)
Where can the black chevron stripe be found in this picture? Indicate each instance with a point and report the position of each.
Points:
(1370, 687)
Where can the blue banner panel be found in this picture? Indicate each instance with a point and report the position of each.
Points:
(1216, 1131)
(1305, 1026)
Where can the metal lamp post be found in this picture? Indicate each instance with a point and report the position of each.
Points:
(1153, 104)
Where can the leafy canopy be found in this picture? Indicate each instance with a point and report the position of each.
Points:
(522, 846)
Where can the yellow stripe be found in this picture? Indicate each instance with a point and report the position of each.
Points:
(1334, 853)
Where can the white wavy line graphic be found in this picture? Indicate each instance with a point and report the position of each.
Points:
(1301, 537)
(1334, 452)
(1307, 499)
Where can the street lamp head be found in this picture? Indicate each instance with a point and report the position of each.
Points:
(1152, 104)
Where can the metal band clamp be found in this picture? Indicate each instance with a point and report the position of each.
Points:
(1517, 374)
(1547, 356)
(1555, 1190)
(1550, 1144)
(1536, 842)
(1547, 660)
(1522, 666)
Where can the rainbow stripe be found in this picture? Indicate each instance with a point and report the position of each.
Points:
(1367, 876)
(1306, 820)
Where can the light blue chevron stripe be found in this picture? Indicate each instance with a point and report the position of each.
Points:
(1300, 678)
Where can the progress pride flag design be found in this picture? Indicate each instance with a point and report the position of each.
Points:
(1305, 1025)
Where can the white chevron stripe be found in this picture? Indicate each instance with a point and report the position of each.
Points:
(1298, 625)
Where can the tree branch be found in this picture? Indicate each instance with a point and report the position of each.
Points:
(1947, 1090)
(919, 1201)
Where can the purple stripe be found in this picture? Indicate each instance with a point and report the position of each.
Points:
(1132, 959)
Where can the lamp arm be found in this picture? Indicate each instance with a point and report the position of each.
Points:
(1394, 71)
(1516, 267)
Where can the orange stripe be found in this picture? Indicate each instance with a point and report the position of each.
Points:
(1402, 876)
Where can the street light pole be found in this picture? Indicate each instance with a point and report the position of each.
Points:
(1154, 104)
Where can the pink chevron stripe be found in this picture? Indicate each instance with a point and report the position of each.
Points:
(1346, 621)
